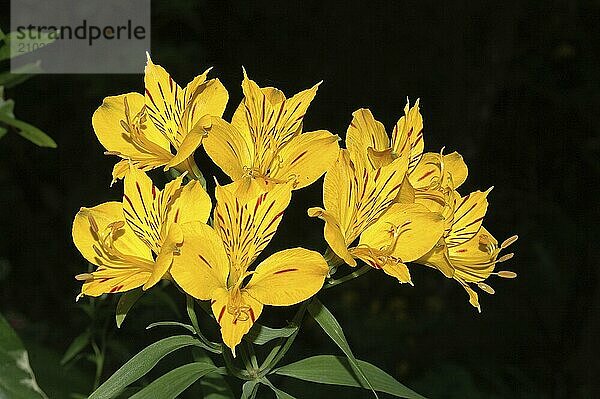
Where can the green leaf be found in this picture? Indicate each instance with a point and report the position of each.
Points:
(27, 44)
(30, 132)
(278, 392)
(126, 302)
(175, 381)
(79, 343)
(20, 74)
(141, 364)
(336, 370)
(249, 389)
(16, 377)
(331, 326)
(260, 334)
(3, 131)
(213, 385)
(172, 324)
(7, 107)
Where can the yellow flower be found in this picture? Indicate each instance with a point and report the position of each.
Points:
(365, 198)
(468, 253)
(133, 242)
(213, 263)
(264, 140)
(143, 129)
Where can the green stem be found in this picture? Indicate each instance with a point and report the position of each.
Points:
(284, 344)
(210, 346)
(231, 367)
(197, 173)
(333, 282)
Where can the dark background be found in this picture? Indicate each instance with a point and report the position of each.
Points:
(513, 86)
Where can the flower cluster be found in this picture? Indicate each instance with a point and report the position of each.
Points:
(386, 202)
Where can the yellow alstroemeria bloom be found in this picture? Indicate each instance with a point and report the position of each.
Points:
(264, 140)
(468, 253)
(361, 198)
(144, 129)
(133, 242)
(213, 263)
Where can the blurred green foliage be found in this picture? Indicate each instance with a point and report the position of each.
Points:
(513, 86)
(9, 80)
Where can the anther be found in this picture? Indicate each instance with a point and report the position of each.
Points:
(84, 277)
(509, 241)
(506, 274)
(486, 288)
(93, 224)
(504, 258)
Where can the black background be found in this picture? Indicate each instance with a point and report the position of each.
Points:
(513, 86)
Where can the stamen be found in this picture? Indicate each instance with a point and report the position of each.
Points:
(506, 274)
(486, 288)
(509, 241)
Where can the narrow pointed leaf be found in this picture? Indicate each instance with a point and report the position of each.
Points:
(278, 392)
(126, 302)
(337, 370)
(170, 385)
(213, 385)
(141, 364)
(171, 324)
(331, 326)
(249, 389)
(79, 343)
(16, 376)
(30, 132)
(260, 334)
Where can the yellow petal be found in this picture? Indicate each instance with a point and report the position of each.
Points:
(405, 231)
(474, 259)
(333, 235)
(247, 224)
(288, 277)
(456, 167)
(202, 266)
(161, 94)
(408, 133)
(145, 206)
(363, 133)
(120, 170)
(468, 216)
(306, 157)
(275, 96)
(190, 204)
(236, 313)
(406, 195)
(399, 271)
(122, 127)
(191, 141)
(208, 98)
(112, 281)
(91, 223)
(438, 258)
(228, 147)
(164, 260)
(336, 186)
(427, 172)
